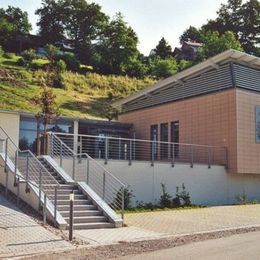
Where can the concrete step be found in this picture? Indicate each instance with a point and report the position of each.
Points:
(65, 187)
(88, 219)
(67, 196)
(76, 207)
(83, 213)
(51, 191)
(93, 225)
(76, 202)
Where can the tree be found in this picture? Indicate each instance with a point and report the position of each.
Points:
(47, 114)
(78, 21)
(107, 110)
(164, 68)
(241, 19)
(51, 21)
(215, 43)
(192, 34)
(13, 22)
(163, 49)
(117, 46)
(18, 18)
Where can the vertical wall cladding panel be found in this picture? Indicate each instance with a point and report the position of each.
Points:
(210, 81)
(246, 77)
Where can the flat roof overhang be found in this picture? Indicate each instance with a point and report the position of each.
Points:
(214, 62)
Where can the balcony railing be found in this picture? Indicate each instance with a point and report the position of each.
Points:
(130, 150)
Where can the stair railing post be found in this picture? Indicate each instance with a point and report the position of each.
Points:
(191, 156)
(27, 174)
(209, 157)
(55, 204)
(71, 216)
(61, 153)
(173, 155)
(40, 185)
(123, 203)
(73, 167)
(18, 192)
(226, 157)
(153, 148)
(119, 148)
(6, 153)
(44, 209)
(130, 153)
(88, 162)
(6, 167)
(106, 149)
(104, 185)
(15, 167)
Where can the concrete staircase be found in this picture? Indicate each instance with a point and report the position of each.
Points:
(86, 214)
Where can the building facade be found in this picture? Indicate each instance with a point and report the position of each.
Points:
(22, 128)
(216, 102)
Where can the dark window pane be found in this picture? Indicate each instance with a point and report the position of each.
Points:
(164, 138)
(175, 138)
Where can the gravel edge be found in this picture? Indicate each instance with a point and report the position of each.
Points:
(124, 248)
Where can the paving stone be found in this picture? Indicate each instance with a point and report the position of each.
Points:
(21, 235)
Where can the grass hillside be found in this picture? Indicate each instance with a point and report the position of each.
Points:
(83, 95)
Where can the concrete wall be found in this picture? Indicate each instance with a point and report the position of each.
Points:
(206, 186)
(248, 151)
(208, 119)
(10, 122)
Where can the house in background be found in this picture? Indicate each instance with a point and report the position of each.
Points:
(187, 51)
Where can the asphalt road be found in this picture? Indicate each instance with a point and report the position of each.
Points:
(237, 247)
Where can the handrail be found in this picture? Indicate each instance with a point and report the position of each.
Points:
(35, 169)
(118, 148)
(111, 190)
(139, 140)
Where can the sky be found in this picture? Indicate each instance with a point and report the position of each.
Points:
(150, 19)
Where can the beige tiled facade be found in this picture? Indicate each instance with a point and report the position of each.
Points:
(225, 118)
(248, 150)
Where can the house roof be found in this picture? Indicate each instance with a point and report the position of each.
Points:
(193, 44)
(229, 55)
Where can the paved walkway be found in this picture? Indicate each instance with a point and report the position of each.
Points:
(190, 221)
(156, 225)
(21, 235)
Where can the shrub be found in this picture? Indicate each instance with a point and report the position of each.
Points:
(128, 195)
(165, 199)
(21, 62)
(1, 51)
(176, 202)
(61, 66)
(241, 199)
(29, 55)
(71, 62)
(9, 55)
(185, 196)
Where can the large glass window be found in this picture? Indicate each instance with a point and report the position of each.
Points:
(154, 137)
(28, 131)
(164, 138)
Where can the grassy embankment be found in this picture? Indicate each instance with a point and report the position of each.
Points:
(83, 95)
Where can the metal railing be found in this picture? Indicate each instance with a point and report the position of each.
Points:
(82, 167)
(111, 148)
(27, 169)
